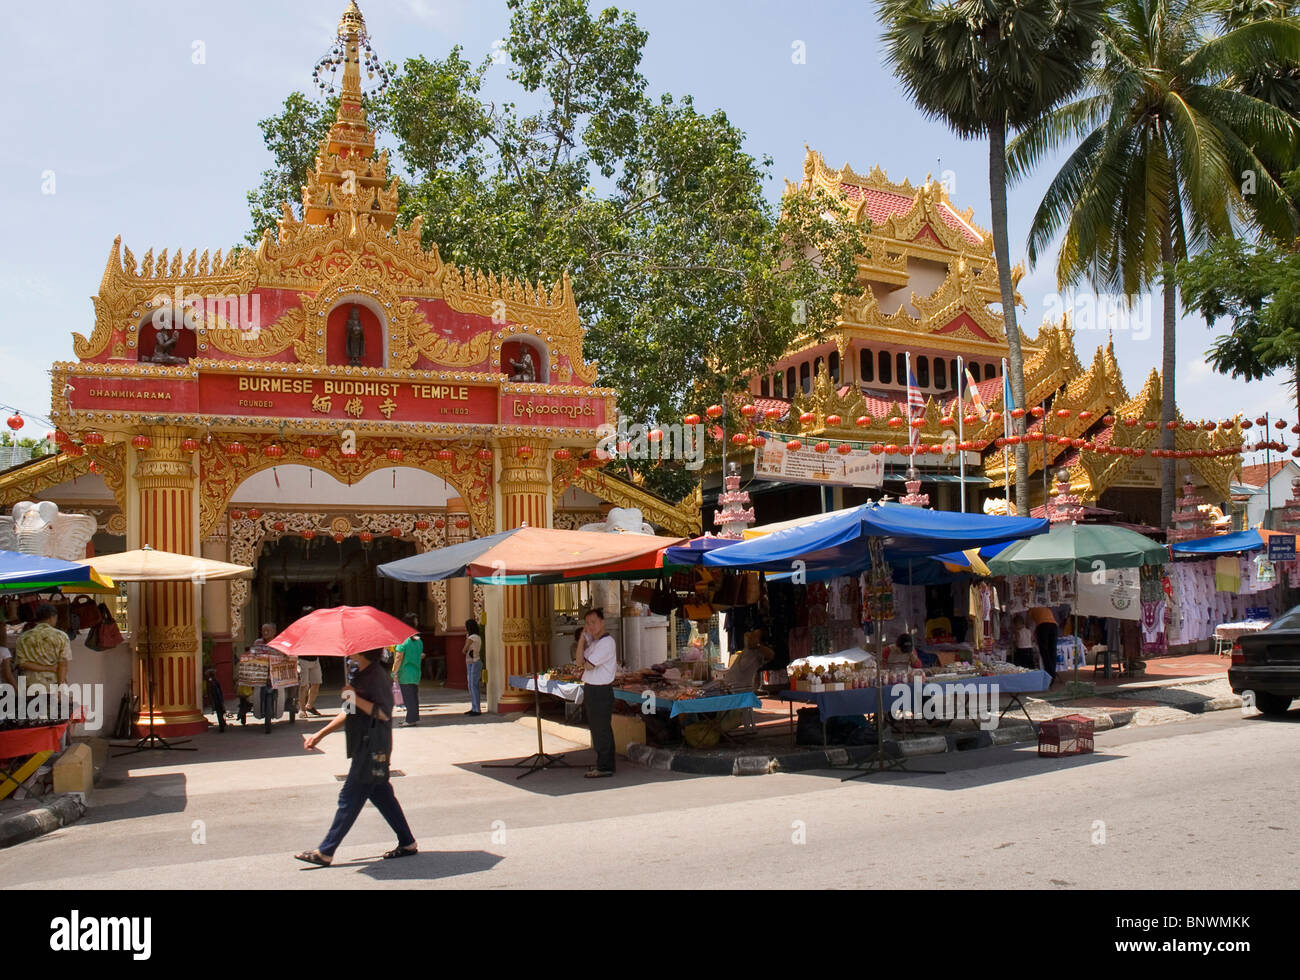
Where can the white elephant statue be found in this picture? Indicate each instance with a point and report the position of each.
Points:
(621, 520)
(39, 529)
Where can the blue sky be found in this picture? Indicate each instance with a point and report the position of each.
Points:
(143, 142)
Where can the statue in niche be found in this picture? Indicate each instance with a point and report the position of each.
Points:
(356, 338)
(164, 345)
(524, 370)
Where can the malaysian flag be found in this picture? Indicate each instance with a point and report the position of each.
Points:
(915, 405)
(976, 402)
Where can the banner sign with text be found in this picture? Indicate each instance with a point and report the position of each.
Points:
(775, 461)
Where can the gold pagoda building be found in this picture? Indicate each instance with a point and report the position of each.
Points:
(929, 288)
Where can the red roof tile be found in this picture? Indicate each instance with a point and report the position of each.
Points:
(1261, 473)
(882, 205)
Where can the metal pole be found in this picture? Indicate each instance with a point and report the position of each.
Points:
(961, 431)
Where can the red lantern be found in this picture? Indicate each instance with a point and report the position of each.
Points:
(758, 441)
(1013, 440)
(236, 515)
(338, 537)
(844, 449)
(1017, 413)
(917, 424)
(1131, 421)
(189, 445)
(1139, 453)
(1151, 426)
(971, 419)
(525, 452)
(396, 455)
(142, 442)
(1245, 423)
(485, 455)
(462, 523)
(748, 411)
(273, 451)
(772, 413)
(394, 532)
(833, 420)
(655, 435)
(1063, 413)
(93, 467)
(739, 439)
(822, 447)
(1089, 446)
(895, 422)
(691, 420)
(947, 421)
(15, 422)
(439, 523)
(312, 452)
(1000, 441)
(877, 449)
(254, 514)
(235, 449)
(1076, 443)
(1108, 420)
(1171, 426)
(562, 454)
(97, 439)
(864, 421)
(1037, 411)
(445, 455)
(794, 445)
(1262, 420)
(1085, 415)
(1063, 440)
(278, 527)
(309, 534)
(965, 446)
(1210, 427)
(995, 417)
(366, 537)
(892, 450)
(1191, 426)
(713, 411)
(60, 437)
(807, 418)
(1280, 424)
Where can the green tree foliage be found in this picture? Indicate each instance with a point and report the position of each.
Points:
(687, 278)
(987, 68)
(1164, 146)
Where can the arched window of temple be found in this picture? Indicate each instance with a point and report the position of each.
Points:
(886, 368)
(923, 372)
(833, 366)
(817, 366)
(866, 365)
(900, 368)
(940, 374)
(790, 379)
(805, 379)
(990, 372)
(765, 388)
(778, 384)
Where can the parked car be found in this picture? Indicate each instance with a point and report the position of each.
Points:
(1267, 664)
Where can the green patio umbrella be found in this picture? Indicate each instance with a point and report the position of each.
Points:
(1077, 548)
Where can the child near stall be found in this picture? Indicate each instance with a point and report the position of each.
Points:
(1025, 652)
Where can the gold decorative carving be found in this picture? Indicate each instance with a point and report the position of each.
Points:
(682, 518)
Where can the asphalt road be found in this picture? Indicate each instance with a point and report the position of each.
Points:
(1210, 802)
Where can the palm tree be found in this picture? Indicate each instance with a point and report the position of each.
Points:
(1170, 156)
(987, 68)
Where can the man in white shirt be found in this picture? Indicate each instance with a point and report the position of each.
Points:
(597, 657)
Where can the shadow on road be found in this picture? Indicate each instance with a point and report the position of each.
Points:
(431, 865)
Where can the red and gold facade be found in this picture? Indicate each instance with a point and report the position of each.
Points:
(340, 343)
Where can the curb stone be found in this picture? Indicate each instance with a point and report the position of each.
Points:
(50, 815)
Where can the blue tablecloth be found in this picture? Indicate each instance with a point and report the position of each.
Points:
(863, 700)
(569, 690)
(693, 706)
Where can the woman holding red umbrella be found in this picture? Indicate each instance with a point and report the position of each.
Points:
(361, 634)
(371, 720)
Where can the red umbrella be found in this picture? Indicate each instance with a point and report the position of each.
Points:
(341, 632)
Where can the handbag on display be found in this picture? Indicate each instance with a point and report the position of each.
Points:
(641, 593)
(87, 613)
(662, 602)
(373, 753)
(696, 611)
(106, 634)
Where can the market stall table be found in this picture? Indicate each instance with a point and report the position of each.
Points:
(33, 746)
(691, 706)
(863, 701)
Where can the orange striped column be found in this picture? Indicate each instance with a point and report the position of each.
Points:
(526, 630)
(166, 482)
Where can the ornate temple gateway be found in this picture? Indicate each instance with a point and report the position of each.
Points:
(927, 285)
(336, 358)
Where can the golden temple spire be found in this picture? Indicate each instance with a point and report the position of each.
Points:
(349, 179)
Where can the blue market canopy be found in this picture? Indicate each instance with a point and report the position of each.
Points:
(693, 551)
(32, 573)
(1224, 544)
(840, 541)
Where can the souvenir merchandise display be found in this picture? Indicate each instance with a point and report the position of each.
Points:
(567, 672)
(673, 680)
(877, 587)
(1195, 607)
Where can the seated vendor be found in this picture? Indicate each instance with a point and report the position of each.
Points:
(904, 653)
